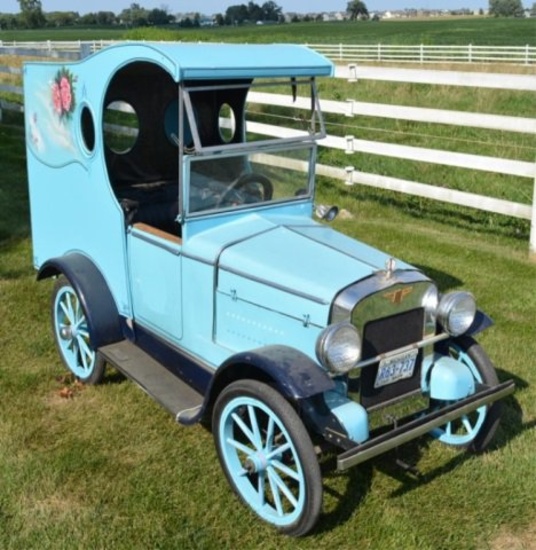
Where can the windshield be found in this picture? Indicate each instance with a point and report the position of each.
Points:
(271, 175)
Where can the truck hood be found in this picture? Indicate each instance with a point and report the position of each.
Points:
(259, 259)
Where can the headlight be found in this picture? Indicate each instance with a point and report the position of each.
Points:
(456, 312)
(338, 348)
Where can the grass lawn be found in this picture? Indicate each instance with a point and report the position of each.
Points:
(481, 31)
(105, 467)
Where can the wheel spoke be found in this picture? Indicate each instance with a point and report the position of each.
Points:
(268, 445)
(245, 430)
(240, 446)
(85, 353)
(276, 496)
(66, 312)
(285, 469)
(282, 487)
(261, 479)
(255, 426)
(278, 450)
(467, 423)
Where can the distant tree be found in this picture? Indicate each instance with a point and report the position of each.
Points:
(357, 10)
(159, 17)
(62, 18)
(9, 21)
(31, 14)
(237, 14)
(219, 20)
(135, 16)
(533, 10)
(106, 18)
(272, 12)
(506, 8)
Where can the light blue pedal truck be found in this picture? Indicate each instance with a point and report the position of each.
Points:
(174, 204)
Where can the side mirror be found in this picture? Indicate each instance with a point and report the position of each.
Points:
(326, 212)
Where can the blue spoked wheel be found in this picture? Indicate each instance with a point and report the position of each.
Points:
(72, 337)
(473, 431)
(267, 456)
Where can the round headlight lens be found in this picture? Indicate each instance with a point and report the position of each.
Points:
(338, 348)
(456, 312)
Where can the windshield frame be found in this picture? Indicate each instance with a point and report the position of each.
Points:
(316, 119)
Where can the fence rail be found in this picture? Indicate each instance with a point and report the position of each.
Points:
(350, 144)
(346, 53)
(424, 53)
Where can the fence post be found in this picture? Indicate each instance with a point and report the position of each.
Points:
(532, 241)
(527, 54)
(341, 52)
(421, 54)
(470, 53)
(379, 52)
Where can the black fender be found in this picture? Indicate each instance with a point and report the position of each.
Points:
(93, 292)
(295, 375)
(481, 323)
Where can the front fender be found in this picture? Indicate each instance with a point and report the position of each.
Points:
(295, 374)
(90, 286)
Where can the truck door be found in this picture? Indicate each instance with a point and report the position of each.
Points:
(154, 262)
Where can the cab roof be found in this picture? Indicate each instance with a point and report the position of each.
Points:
(224, 61)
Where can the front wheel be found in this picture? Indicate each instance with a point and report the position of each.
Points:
(473, 431)
(71, 334)
(267, 456)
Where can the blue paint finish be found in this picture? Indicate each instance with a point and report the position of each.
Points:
(94, 294)
(351, 415)
(156, 289)
(449, 379)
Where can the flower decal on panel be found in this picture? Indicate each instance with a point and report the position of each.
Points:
(63, 93)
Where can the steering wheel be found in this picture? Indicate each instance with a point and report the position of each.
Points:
(247, 188)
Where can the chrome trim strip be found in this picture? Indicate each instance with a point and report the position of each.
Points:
(416, 345)
(348, 299)
(421, 426)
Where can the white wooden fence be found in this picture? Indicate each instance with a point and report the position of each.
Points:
(352, 144)
(347, 53)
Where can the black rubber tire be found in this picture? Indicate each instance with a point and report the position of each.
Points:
(306, 462)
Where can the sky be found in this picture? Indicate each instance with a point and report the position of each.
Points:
(219, 6)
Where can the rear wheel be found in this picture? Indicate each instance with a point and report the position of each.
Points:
(267, 456)
(71, 334)
(473, 431)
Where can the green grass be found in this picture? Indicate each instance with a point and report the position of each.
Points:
(481, 31)
(107, 468)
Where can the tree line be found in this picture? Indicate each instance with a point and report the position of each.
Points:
(32, 16)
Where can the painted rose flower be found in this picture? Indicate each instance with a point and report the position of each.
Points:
(56, 98)
(66, 97)
(63, 94)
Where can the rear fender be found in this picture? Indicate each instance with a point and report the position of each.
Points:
(90, 286)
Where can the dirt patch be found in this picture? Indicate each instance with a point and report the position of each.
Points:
(506, 540)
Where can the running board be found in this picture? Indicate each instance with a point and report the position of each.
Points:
(422, 425)
(168, 390)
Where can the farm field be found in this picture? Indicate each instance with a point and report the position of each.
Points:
(452, 31)
(105, 467)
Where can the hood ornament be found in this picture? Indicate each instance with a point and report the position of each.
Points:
(390, 268)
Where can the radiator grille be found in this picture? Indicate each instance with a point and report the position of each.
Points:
(384, 335)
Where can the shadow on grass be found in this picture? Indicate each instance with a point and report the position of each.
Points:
(402, 463)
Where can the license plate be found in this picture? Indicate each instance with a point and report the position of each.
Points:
(396, 368)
